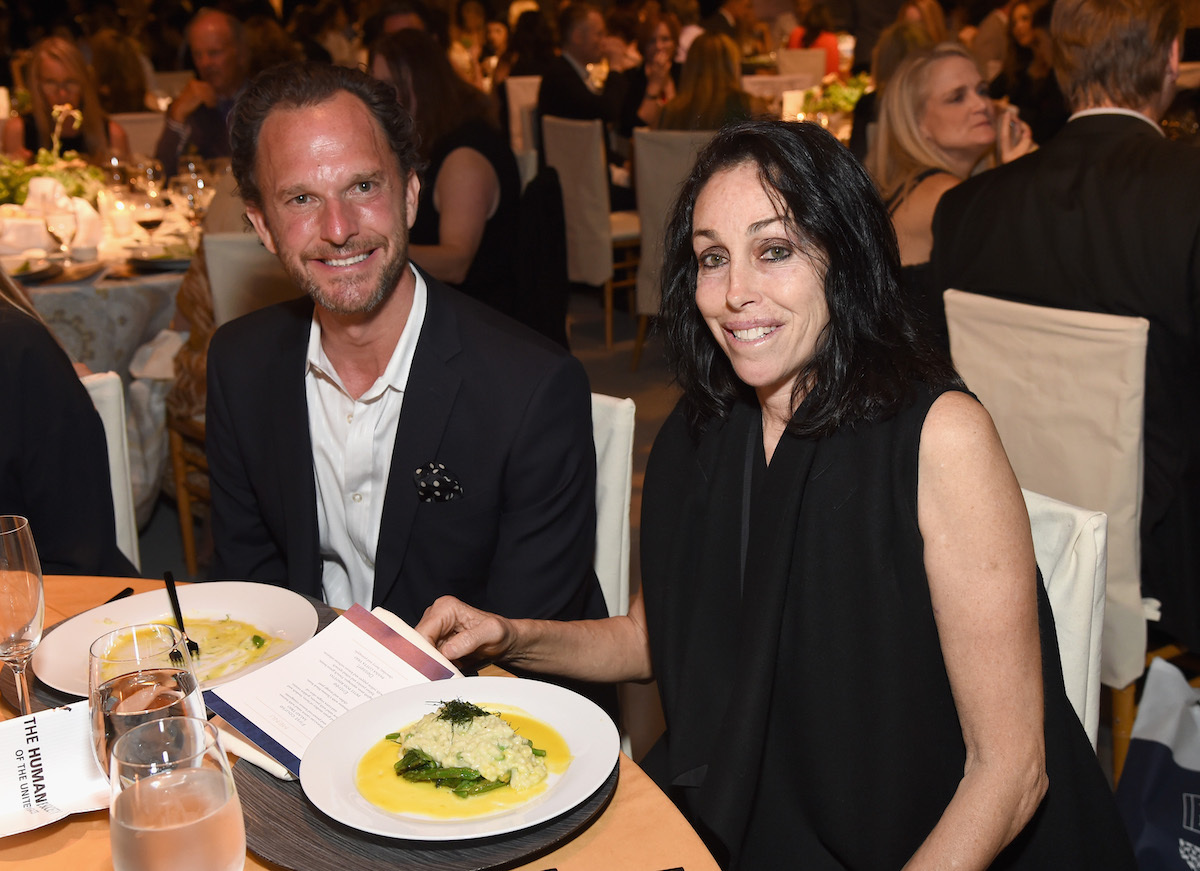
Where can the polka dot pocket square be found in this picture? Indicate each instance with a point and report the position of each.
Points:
(436, 483)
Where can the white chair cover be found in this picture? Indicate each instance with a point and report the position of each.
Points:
(243, 276)
(108, 395)
(662, 158)
(1070, 544)
(806, 62)
(576, 150)
(143, 128)
(612, 431)
(171, 82)
(522, 112)
(771, 88)
(1065, 389)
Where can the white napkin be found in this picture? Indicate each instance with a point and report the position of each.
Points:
(20, 234)
(90, 229)
(45, 194)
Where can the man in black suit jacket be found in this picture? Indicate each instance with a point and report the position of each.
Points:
(1106, 217)
(481, 484)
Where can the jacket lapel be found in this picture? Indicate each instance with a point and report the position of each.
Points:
(428, 400)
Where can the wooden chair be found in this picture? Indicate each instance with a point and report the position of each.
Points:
(1066, 389)
(602, 246)
(662, 159)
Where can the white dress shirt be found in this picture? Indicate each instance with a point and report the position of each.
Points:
(352, 441)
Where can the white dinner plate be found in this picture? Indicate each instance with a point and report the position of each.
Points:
(328, 767)
(27, 268)
(61, 660)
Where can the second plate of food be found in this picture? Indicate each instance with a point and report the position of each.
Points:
(349, 760)
(239, 626)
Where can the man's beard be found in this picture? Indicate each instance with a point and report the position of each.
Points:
(389, 278)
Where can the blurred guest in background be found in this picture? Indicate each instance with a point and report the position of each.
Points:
(267, 43)
(197, 119)
(1027, 80)
(121, 70)
(927, 14)
(936, 125)
(896, 43)
(466, 221)
(990, 42)
(815, 30)
(710, 88)
(53, 455)
(59, 75)
(652, 84)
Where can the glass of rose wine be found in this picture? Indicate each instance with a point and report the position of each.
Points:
(137, 674)
(22, 602)
(173, 796)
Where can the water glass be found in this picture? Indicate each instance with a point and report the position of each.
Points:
(22, 601)
(138, 674)
(62, 224)
(174, 803)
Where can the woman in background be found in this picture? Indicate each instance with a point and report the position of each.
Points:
(815, 30)
(59, 75)
(937, 125)
(53, 455)
(652, 84)
(466, 220)
(710, 88)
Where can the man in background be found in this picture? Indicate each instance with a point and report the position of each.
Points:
(1105, 217)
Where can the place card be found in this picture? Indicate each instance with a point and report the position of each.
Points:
(47, 769)
(283, 705)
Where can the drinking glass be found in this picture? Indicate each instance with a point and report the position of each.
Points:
(62, 225)
(138, 674)
(191, 195)
(148, 212)
(174, 803)
(22, 604)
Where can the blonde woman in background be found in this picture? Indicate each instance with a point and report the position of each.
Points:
(58, 75)
(937, 126)
(710, 91)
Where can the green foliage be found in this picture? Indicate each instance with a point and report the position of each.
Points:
(78, 177)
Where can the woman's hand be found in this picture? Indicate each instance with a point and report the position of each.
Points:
(461, 632)
(1014, 138)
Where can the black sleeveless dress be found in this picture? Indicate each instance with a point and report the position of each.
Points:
(492, 276)
(810, 722)
(916, 280)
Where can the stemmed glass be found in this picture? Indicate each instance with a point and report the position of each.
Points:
(137, 674)
(62, 225)
(148, 212)
(192, 194)
(22, 602)
(173, 795)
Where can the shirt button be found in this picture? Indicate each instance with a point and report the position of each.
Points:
(350, 417)
(357, 497)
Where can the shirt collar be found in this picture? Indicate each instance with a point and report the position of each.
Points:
(395, 375)
(1116, 110)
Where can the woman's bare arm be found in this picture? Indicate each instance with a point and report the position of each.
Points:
(607, 651)
(466, 195)
(982, 582)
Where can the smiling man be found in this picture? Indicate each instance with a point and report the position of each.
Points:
(385, 440)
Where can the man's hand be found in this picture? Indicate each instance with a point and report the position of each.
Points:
(194, 95)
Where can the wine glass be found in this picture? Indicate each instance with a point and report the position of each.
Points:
(192, 194)
(148, 212)
(173, 795)
(137, 674)
(22, 602)
(62, 225)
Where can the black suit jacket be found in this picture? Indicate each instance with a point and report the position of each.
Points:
(507, 412)
(564, 94)
(1106, 217)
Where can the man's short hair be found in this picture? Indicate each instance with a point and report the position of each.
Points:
(573, 15)
(1113, 51)
(236, 29)
(299, 85)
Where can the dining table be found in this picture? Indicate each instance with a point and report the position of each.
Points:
(640, 829)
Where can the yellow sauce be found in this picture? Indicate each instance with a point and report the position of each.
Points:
(379, 784)
(226, 645)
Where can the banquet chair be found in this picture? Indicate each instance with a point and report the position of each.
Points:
(807, 62)
(243, 276)
(108, 395)
(602, 246)
(772, 88)
(1066, 390)
(143, 128)
(612, 432)
(522, 93)
(1070, 544)
(662, 159)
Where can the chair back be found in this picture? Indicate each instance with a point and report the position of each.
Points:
(1070, 544)
(522, 94)
(142, 128)
(243, 276)
(612, 431)
(1066, 391)
(662, 158)
(171, 82)
(108, 395)
(771, 88)
(806, 62)
(576, 151)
